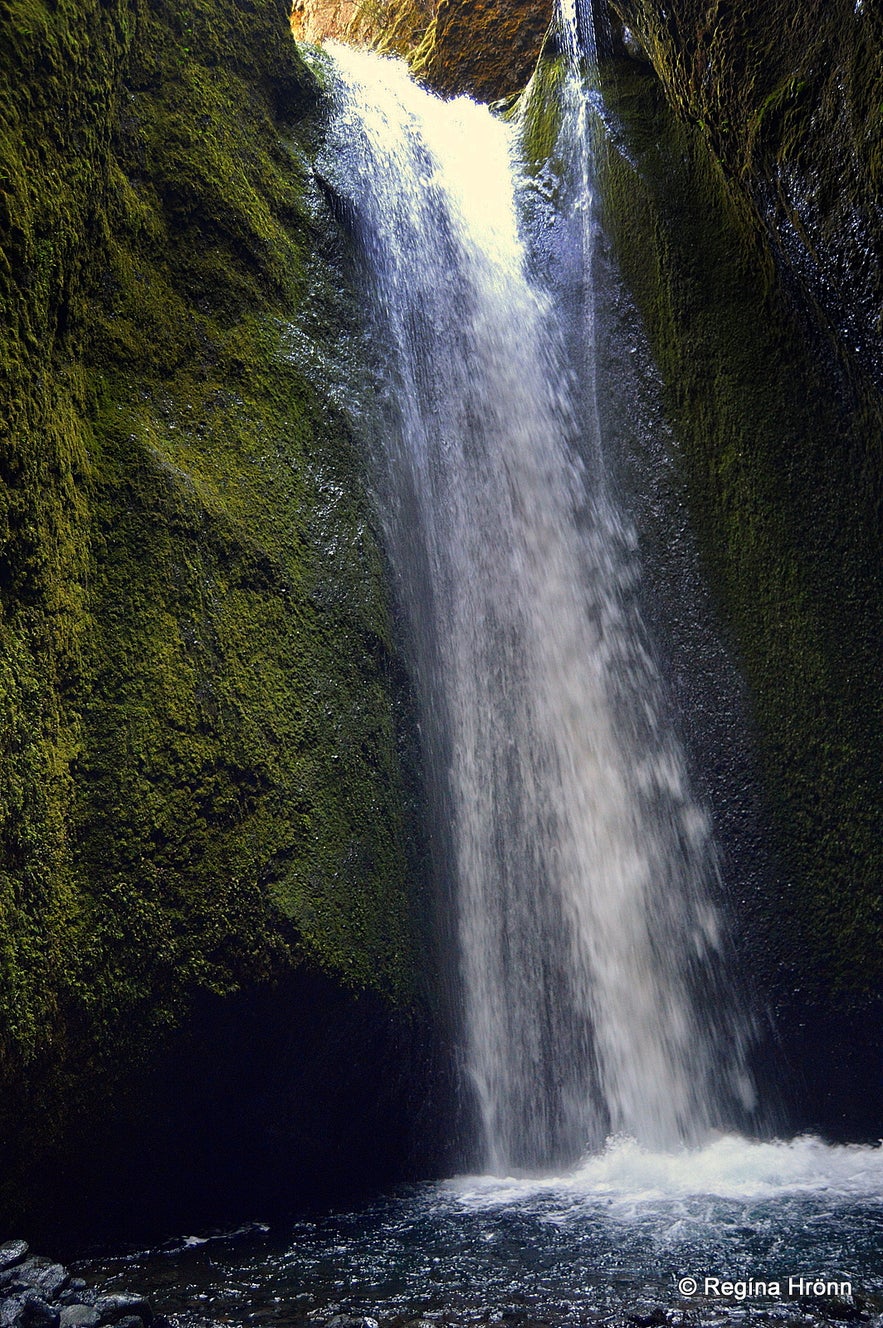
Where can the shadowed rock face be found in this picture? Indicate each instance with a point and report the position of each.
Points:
(777, 111)
(789, 98)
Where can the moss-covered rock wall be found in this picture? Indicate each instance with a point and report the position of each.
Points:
(778, 455)
(789, 99)
(764, 298)
(739, 165)
(201, 783)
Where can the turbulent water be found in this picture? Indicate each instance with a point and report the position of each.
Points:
(584, 875)
(611, 1242)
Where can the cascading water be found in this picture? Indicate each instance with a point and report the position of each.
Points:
(584, 872)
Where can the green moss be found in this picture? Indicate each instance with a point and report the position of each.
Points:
(201, 779)
(538, 110)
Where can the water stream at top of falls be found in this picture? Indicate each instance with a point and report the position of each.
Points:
(584, 877)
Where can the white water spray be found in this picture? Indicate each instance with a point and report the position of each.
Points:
(584, 872)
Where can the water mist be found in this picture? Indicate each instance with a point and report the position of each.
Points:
(589, 943)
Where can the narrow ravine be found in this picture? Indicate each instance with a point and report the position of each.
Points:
(626, 1169)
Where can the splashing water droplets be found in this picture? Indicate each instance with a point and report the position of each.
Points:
(587, 935)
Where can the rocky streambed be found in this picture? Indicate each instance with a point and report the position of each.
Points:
(37, 1292)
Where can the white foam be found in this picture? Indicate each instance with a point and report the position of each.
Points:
(730, 1167)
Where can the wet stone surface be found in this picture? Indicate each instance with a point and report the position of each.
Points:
(36, 1292)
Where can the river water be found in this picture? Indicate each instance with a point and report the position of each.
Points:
(608, 1242)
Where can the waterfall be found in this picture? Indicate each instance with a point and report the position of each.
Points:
(590, 946)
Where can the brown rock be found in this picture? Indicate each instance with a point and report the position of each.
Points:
(487, 48)
(389, 24)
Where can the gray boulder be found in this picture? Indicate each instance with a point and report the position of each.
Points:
(79, 1316)
(27, 1311)
(48, 1279)
(12, 1252)
(112, 1309)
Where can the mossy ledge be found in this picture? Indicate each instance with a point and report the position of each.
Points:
(202, 786)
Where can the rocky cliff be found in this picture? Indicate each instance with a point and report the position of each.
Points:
(789, 100)
(739, 170)
(749, 231)
(484, 48)
(203, 791)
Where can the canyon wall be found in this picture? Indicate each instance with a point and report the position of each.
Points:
(205, 784)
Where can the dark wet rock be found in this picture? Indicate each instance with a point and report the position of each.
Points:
(76, 1293)
(832, 1307)
(632, 46)
(12, 1252)
(79, 1316)
(649, 1319)
(352, 1321)
(115, 1309)
(9, 1308)
(36, 1313)
(36, 1292)
(27, 1311)
(48, 1279)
